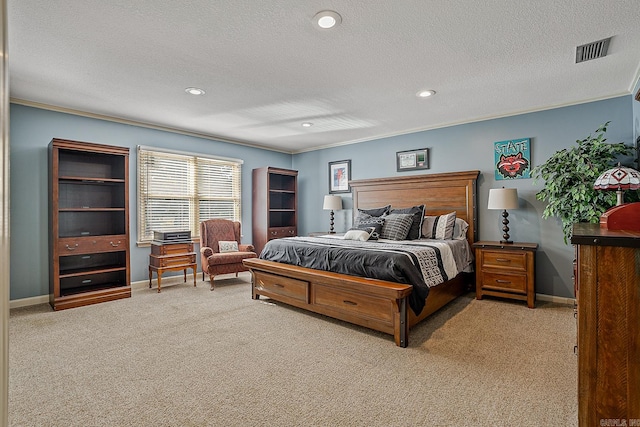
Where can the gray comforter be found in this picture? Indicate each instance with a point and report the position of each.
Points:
(420, 263)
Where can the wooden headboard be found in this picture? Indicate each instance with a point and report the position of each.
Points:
(441, 193)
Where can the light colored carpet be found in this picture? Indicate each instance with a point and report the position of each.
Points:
(191, 357)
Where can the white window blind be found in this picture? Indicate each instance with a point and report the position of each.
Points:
(176, 191)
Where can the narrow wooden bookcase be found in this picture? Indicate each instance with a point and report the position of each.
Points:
(89, 223)
(275, 205)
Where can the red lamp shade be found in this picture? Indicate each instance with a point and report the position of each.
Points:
(618, 179)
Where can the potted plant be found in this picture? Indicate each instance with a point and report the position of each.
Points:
(569, 175)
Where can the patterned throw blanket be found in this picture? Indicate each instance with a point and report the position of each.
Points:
(421, 263)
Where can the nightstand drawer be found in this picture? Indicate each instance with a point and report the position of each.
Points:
(505, 259)
(504, 282)
(164, 261)
(171, 248)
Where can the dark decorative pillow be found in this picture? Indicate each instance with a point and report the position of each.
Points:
(416, 226)
(366, 222)
(376, 211)
(361, 217)
(396, 226)
(439, 227)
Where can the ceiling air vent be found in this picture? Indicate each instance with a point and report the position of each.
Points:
(594, 50)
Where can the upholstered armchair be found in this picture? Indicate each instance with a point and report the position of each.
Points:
(220, 249)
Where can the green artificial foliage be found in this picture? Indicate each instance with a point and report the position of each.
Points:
(569, 176)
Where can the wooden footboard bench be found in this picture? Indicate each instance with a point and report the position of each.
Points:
(375, 304)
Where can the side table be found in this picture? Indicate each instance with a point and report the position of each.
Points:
(172, 257)
(506, 270)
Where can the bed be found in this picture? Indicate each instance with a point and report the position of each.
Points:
(377, 304)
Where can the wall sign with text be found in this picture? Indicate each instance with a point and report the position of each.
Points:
(512, 159)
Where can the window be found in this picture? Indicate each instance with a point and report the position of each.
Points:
(176, 191)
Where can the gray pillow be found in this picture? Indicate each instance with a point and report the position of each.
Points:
(396, 226)
(416, 226)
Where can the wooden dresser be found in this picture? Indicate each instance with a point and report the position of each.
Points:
(607, 285)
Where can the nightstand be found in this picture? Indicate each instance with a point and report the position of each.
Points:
(172, 257)
(506, 270)
(324, 233)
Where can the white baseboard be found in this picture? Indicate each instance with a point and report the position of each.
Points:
(142, 284)
(177, 279)
(168, 281)
(555, 299)
(135, 286)
(25, 302)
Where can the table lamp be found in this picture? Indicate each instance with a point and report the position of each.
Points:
(332, 203)
(623, 216)
(503, 198)
(618, 179)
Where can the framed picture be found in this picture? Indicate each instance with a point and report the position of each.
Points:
(412, 160)
(339, 176)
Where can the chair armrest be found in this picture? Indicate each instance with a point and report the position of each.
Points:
(206, 251)
(246, 248)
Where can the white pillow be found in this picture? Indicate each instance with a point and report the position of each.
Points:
(460, 229)
(360, 235)
(225, 246)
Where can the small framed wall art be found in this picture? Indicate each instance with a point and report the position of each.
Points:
(412, 160)
(512, 159)
(339, 176)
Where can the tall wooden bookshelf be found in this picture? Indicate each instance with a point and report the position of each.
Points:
(88, 223)
(275, 205)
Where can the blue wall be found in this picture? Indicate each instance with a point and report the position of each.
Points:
(456, 148)
(31, 131)
(469, 147)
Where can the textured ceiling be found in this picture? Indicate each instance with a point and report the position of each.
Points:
(266, 68)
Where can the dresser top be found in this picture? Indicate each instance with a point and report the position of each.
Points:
(592, 234)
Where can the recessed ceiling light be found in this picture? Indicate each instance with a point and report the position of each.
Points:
(425, 93)
(307, 124)
(194, 91)
(327, 19)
